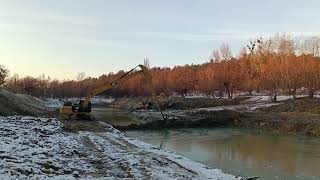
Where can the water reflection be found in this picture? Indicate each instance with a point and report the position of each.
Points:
(244, 152)
(114, 116)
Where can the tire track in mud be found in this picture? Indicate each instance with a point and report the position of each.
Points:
(129, 161)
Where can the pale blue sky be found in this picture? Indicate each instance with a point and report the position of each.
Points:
(62, 38)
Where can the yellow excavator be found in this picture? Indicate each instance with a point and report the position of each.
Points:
(82, 110)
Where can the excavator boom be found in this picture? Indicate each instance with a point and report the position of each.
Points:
(108, 86)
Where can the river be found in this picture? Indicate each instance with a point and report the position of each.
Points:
(245, 152)
(114, 116)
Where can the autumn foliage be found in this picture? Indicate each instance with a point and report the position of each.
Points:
(278, 65)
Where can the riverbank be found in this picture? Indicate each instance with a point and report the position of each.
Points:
(40, 148)
(298, 116)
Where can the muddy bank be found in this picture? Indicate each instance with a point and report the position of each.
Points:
(297, 116)
(178, 112)
(174, 103)
(284, 122)
(289, 116)
(182, 120)
(78, 125)
(303, 104)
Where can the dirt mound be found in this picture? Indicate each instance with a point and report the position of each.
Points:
(296, 105)
(176, 103)
(14, 104)
(130, 103)
(182, 119)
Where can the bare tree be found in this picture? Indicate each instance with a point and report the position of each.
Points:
(43, 83)
(3, 74)
(313, 45)
(285, 45)
(146, 62)
(215, 56)
(225, 52)
(13, 83)
(309, 46)
(222, 54)
(81, 76)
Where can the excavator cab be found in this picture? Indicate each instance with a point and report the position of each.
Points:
(83, 108)
(78, 111)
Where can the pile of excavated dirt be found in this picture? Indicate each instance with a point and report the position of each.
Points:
(176, 103)
(130, 103)
(182, 119)
(21, 104)
(296, 105)
(284, 122)
(301, 115)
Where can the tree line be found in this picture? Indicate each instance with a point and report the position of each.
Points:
(280, 64)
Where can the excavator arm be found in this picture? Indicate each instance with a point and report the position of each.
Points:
(114, 83)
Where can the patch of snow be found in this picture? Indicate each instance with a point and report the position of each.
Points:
(241, 107)
(280, 98)
(97, 100)
(53, 103)
(195, 96)
(101, 100)
(259, 99)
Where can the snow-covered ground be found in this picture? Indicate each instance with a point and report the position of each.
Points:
(253, 103)
(279, 98)
(248, 105)
(53, 103)
(38, 148)
(101, 100)
(56, 103)
(242, 107)
(95, 100)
